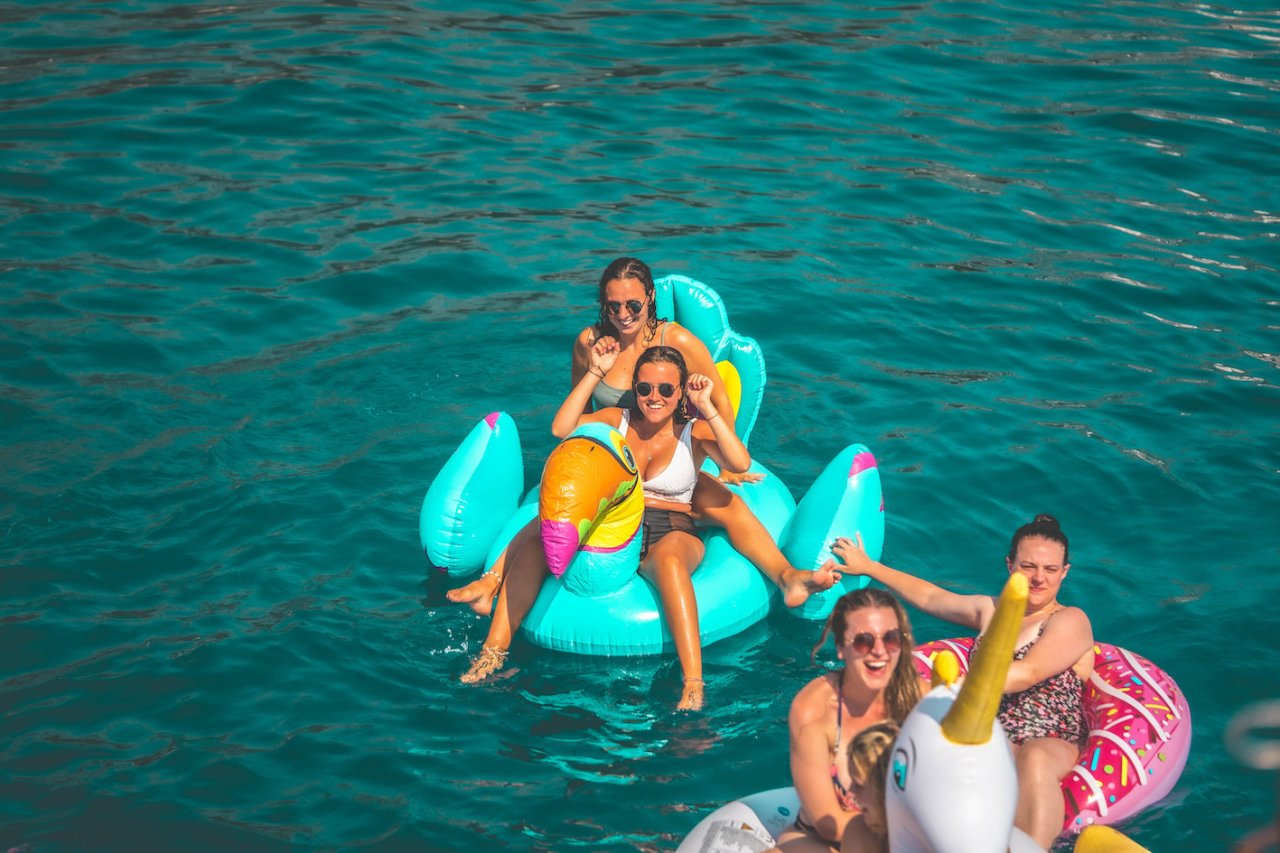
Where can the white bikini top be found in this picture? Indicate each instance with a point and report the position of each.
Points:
(676, 481)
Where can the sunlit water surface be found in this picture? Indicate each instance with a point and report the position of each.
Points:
(266, 264)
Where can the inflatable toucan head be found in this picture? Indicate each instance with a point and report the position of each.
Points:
(591, 501)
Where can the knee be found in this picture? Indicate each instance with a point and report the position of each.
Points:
(667, 569)
(668, 566)
(735, 508)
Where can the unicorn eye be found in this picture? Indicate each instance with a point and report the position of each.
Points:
(901, 768)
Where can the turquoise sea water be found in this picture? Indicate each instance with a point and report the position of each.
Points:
(266, 264)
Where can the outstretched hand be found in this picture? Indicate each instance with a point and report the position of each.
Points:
(734, 478)
(604, 353)
(851, 553)
(698, 388)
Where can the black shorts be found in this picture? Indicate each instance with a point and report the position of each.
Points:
(660, 522)
(812, 831)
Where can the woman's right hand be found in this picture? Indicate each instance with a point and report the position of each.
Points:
(851, 553)
(604, 354)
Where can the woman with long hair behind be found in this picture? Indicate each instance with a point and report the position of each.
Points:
(877, 682)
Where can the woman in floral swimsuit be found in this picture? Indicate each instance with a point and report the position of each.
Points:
(1041, 709)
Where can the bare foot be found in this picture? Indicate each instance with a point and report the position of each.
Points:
(798, 584)
(490, 658)
(478, 595)
(691, 697)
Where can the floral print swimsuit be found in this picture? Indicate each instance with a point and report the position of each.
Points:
(1050, 708)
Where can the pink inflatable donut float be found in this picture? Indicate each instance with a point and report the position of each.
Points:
(1139, 734)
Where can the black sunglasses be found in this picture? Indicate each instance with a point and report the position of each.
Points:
(864, 642)
(644, 389)
(614, 308)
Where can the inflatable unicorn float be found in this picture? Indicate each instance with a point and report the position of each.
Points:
(951, 784)
(589, 505)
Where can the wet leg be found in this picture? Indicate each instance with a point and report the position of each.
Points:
(668, 566)
(1042, 762)
(714, 503)
(526, 570)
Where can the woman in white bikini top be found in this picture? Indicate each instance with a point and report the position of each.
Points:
(668, 455)
(675, 482)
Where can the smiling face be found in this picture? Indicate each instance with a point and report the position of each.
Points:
(618, 293)
(1043, 562)
(872, 665)
(654, 406)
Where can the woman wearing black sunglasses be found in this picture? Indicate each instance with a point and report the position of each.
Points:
(628, 327)
(668, 449)
(1042, 711)
(878, 682)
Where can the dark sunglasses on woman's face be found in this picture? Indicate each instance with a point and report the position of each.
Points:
(644, 389)
(864, 642)
(615, 308)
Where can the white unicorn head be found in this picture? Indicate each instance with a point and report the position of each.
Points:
(952, 785)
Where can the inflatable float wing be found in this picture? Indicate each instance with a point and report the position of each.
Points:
(472, 496)
(845, 500)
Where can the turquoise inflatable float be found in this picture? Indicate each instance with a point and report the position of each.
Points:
(477, 503)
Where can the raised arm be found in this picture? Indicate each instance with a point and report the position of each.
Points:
(576, 408)
(714, 434)
(697, 359)
(1068, 635)
(972, 611)
(580, 363)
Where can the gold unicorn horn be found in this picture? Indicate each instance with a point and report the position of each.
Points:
(969, 720)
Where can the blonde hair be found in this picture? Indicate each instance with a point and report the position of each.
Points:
(867, 746)
(869, 756)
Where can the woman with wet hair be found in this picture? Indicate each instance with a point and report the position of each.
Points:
(876, 683)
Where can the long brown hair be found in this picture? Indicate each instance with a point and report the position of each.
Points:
(903, 691)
